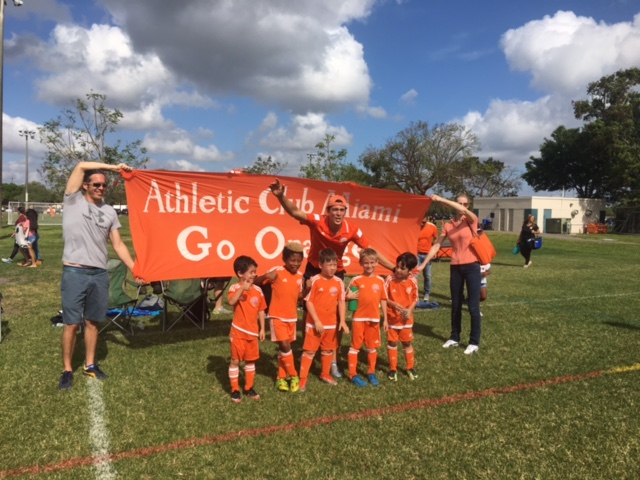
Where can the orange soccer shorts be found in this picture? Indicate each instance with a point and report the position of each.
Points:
(404, 335)
(245, 349)
(282, 331)
(327, 340)
(367, 333)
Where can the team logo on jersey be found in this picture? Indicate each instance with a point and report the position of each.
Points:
(333, 290)
(376, 288)
(254, 301)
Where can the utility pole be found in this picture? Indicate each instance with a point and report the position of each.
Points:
(26, 134)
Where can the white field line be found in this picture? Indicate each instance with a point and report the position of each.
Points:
(98, 433)
(563, 299)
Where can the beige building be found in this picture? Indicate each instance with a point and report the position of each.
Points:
(553, 214)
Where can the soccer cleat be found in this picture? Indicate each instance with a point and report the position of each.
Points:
(251, 393)
(335, 373)
(295, 384)
(94, 371)
(358, 382)
(235, 396)
(450, 343)
(328, 380)
(412, 374)
(7, 260)
(471, 349)
(303, 384)
(66, 381)
(392, 375)
(282, 385)
(373, 380)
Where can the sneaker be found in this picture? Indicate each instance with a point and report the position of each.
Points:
(295, 384)
(303, 385)
(39, 262)
(358, 382)
(251, 393)
(373, 380)
(94, 371)
(471, 349)
(450, 343)
(412, 374)
(7, 260)
(66, 381)
(392, 375)
(335, 373)
(218, 311)
(527, 265)
(282, 385)
(235, 396)
(425, 298)
(481, 314)
(328, 380)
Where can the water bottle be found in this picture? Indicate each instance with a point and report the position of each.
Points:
(353, 304)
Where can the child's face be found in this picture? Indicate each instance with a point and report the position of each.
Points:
(402, 272)
(368, 264)
(249, 275)
(292, 264)
(329, 268)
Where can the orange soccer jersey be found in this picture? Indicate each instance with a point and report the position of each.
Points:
(286, 291)
(371, 291)
(245, 312)
(325, 294)
(405, 293)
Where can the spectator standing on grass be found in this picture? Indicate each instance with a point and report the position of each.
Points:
(327, 231)
(287, 286)
(464, 269)
(88, 223)
(16, 248)
(34, 251)
(527, 235)
(426, 237)
(247, 327)
(402, 297)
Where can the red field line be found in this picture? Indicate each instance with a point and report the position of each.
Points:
(231, 436)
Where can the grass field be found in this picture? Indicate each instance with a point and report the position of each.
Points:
(553, 393)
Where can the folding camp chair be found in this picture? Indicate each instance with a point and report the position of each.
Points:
(118, 298)
(191, 300)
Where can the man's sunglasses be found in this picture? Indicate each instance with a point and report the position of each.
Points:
(98, 185)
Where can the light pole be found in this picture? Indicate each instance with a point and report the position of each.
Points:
(17, 3)
(27, 134)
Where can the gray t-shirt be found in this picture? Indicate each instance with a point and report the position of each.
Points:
(85, 230)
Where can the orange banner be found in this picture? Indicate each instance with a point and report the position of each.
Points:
(193, 225)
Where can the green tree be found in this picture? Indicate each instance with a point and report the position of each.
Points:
(489, 178)
(80, 134)
(326, 163)
(266, 166)
(612, 123)
(419, 158)
(12, 193)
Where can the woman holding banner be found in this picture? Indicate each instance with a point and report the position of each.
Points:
(327, 231)
(464, 268)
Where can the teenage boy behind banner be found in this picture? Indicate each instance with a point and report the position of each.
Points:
(87, 224)
(331, 230)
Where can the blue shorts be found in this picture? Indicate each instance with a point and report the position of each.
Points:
(85, 294)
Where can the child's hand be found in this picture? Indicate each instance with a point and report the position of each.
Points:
(319, 327)
(262, 335)
(343, 326)
(272, 275)
(385, 326)
(352, 295)
(246, 285)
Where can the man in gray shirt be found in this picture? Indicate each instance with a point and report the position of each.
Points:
(87, 224)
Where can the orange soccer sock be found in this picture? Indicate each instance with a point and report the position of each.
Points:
(282, 373)
(249, 375)
(393, 357)
(234, 372)
(353, 362)
(326, 358)
(305, 364)
(372, 355)
(409, 357)
(286, 365)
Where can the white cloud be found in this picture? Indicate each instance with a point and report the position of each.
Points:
(565, 52)
(409, 98)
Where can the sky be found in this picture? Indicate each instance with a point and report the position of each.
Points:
(210, 85)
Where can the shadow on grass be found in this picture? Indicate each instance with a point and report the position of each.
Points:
(5, 330)
(219, 366)
(623, 325)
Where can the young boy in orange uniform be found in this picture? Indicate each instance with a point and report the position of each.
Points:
(365, 327)
(247, 327)
(402, 293)
(287, 287)
(325, 301)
